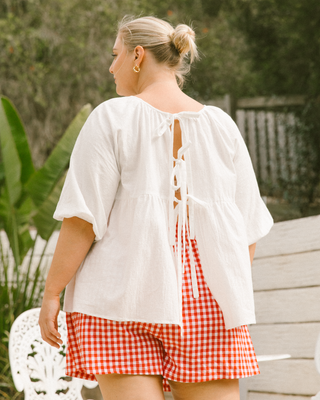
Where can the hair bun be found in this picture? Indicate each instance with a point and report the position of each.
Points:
(183, 38)
(168, 46)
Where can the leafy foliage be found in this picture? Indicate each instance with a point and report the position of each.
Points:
(282, 38)
(18, 292)
(7, 389)
(303, 189)
(283, 43)
(55, 56)
(26, 195)
(28, 198)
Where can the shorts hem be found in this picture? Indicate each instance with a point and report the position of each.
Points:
(90, 376)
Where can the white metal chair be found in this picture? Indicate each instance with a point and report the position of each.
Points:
(37, 368)
(273, 357)
(261, 358)
(317, 361)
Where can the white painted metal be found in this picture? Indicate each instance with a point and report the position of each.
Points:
(317, 361)
(317, 354)
(273, 357)
(37, 368)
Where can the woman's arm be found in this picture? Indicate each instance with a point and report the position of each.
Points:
(252, 249)
(75, 239)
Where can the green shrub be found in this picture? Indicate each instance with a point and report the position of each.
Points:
(302, 190)
(28, 198)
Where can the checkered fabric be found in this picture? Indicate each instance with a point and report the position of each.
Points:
(206, 351)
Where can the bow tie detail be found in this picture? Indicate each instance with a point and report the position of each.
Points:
(179, 171)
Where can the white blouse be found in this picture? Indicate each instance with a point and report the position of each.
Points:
(121, 180)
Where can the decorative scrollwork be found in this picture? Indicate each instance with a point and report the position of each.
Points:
(38, 368)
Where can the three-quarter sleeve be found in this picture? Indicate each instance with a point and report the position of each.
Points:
(257, 218)
(93, 176)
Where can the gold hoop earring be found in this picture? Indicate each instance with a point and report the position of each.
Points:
(136, 68)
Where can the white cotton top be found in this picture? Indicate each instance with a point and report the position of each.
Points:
(121, 180)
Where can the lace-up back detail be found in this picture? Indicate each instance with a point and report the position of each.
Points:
(124, 179)
(177, 144)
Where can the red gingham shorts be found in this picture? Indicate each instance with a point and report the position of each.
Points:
(206, 351)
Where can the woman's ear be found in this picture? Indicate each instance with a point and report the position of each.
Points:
(138, 54)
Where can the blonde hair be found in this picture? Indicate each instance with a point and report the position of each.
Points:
(169, 45)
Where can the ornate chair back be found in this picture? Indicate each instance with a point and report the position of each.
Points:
(37, 368)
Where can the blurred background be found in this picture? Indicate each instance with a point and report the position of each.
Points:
(260, 62)
(55, 55)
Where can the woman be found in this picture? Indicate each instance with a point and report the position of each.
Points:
(157, 250)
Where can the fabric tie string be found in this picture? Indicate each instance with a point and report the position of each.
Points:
(179, 171)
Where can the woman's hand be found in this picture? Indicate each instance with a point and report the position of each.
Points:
(48, 320)
(75, 239)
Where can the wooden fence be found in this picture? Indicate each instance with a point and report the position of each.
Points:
(265, 124)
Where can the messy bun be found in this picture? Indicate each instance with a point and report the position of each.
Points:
(175, 48)
(183, 38)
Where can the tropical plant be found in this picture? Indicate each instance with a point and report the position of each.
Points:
(18, 292)
(28, 198)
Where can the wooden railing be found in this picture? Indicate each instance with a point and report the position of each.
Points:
(265, 124)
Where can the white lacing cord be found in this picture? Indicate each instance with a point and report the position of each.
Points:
(195, 290)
